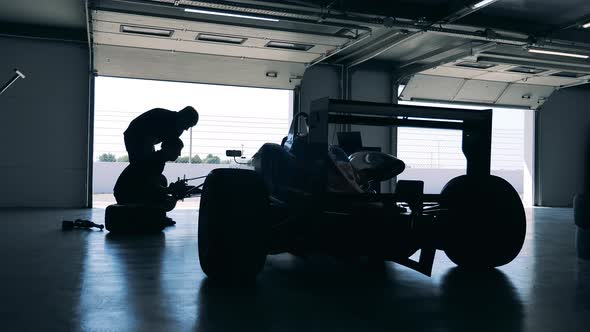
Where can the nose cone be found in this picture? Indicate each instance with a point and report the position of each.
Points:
(376, 166)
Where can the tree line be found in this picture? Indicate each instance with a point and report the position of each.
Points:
(209, 159)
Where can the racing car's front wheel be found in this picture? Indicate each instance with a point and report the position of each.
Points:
(484, 225)
(233, 225)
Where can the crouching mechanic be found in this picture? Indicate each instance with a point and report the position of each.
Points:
(156, 126)
(142, 183)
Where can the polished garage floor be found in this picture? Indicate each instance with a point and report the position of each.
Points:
(89, 280)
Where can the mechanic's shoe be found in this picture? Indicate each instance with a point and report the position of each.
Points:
(167, 221)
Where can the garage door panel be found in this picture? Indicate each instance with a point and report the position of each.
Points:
(454, 72)
(480, 91)
(450, 89)
(199, 68)
(526, 95)
(552, 80)
(501, 77)
(432, 87)
(201, 47)
(111, 22)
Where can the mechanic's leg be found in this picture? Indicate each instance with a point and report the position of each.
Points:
(157, 199)
(167, 205)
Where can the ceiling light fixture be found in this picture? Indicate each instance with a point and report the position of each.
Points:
(482, 3)
(209, 12)
(571, 55)
(586, 26)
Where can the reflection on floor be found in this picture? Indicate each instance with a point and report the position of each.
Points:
(92, 280)
(101, 201)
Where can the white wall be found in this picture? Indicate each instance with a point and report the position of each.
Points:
(106, 173)
(563, 132)
(44, 124)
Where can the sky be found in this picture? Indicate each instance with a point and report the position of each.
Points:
(230, 117)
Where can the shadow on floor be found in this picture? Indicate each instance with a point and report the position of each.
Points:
(320, 298)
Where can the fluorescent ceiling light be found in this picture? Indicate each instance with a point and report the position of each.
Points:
(208, 12)
(586, 26)
(482, 3)
(146, 31)
(571, 55)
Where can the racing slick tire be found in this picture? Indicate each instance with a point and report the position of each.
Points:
(582, 211)
(485, 223)
(234, 229)
(582, 220)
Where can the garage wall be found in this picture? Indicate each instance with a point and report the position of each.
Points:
(44, 124)
(563, 129)
(320, 81)
(374, 85)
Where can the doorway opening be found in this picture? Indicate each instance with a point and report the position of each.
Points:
(435, 156)
(230, 117)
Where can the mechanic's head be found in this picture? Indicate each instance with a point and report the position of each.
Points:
(171, 149)
(187, 117)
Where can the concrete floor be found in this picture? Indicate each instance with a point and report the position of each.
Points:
(89, 280)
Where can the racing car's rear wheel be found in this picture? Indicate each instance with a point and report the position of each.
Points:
(233, 225)
(485, 223)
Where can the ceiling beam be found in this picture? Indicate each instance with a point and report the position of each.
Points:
(349, 44)
(376, 47)
(396, 38)
(456, 54)
(435, 53)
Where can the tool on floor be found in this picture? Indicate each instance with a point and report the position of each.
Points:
(68, 225)
(17, 75)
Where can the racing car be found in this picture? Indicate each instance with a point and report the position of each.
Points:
(305, 196)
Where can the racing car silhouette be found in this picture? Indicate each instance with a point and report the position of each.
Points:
(305, 196)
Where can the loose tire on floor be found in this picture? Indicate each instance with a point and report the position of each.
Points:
(582, 211)
(485, 224)
(233, 225)
(134, 219)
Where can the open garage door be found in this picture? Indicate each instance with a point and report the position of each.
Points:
(167, 42)
(495, 79)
